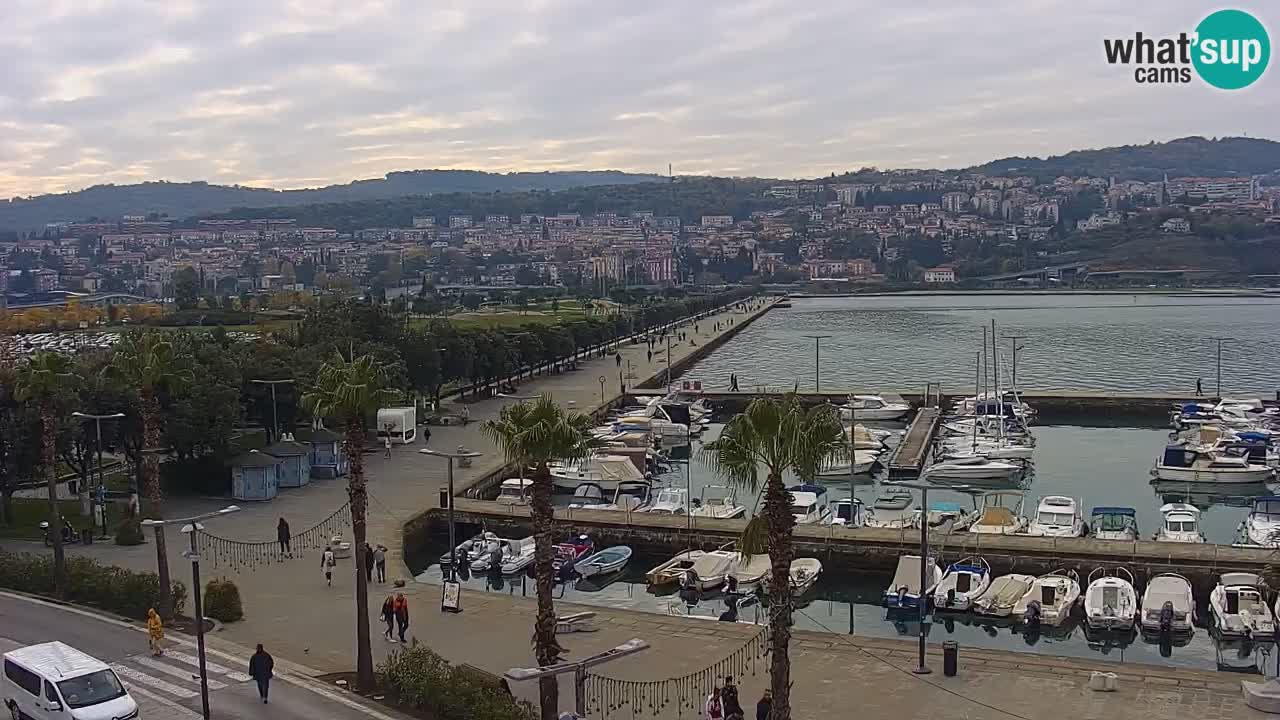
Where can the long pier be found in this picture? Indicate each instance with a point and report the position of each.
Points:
(909, 457)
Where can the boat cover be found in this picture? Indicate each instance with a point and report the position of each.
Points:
(996, 516)
(1103, 510)
(1162, 589)
(907, 575)
(1006, 590)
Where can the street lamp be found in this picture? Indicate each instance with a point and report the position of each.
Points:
(579, 670)
(921, 603)
(1219, 386)
(190, 526)
(1013, 342)
(102, 479)
(275, 421)
(817, 343)
(459, 454)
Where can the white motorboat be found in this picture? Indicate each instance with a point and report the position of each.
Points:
(863, 462)
(988, 450)
(748, 573)
(609, 560)
(521, 556)
(804, 574)
(719, 501)
(1057, 516)
(515, 491)
(865, 438)
(1113, 523)
(1110, 601)
(809, 504)
(493, 556)
(670, 571)
(670, 501)
(1239, 608)
(891, 509)
(905, 590)
(1053, 595)
(630, 496)
(947, 516)
(872, 407)
(975, 468)
(1168, 605)
(1003, 595)
(1181, 523)
(848, 512)
(998, 519)
(604, 470)
(961, 584)
(1187, 463)
(1262, 527)
(709, 571)
(470, 549)
(588, 496)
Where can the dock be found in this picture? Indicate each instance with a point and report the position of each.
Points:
(909, 457)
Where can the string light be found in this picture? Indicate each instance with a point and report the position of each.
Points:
(236, 554)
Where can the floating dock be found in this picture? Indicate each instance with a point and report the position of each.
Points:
(910, 455)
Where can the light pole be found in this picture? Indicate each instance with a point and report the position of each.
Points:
(602, 380)
(1013, 343)
(922, 604)
(817, 344)
(458, 454)
(190, 526)
(1219, 385)
(102, 479)
(579, 670)
(668, 336)
(275, 421)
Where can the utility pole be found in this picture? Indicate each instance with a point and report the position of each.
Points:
(817, 375)
(102, 480)
(1219, 384)
(461, 453)
(275, 420)
(1013, 343)
(579, 670)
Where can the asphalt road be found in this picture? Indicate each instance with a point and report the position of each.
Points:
(168, 687)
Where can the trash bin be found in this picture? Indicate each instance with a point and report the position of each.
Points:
(86, 536)
(444, 498)
(950, 657)
(73, 487)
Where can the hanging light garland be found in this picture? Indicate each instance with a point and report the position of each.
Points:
(606, 695)
(238, 555)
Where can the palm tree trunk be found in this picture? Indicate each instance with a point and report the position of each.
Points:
(779, 521)
(546, 650)
(48, 437)
(151, 488)
(357, 492)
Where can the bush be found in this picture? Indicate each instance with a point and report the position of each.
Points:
(422, 680)
(115, 589)
(129, 532)
(222, 601)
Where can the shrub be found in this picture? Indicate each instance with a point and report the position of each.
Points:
(115, 589)
(222, 600)
(129, 532)
(422, 680)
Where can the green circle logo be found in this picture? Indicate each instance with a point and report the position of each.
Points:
(1231, 49)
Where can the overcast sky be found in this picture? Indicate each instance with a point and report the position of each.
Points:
(301, 93)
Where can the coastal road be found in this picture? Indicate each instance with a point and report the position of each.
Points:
(168, 687)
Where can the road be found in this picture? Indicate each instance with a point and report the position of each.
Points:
(168, 687)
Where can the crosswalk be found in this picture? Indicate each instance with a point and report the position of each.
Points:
(164, 685)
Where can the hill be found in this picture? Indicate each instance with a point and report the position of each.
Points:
(181, 200)
(1189, 156)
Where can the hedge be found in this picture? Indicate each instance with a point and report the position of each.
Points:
(422, 680)
(222, 601)
(90, 583)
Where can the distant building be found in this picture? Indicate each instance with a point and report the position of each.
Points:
(460, 221)
(717, 221)
(1176, 225)
(940, 274)
(1222, 188)
(955, 202)
(424, 222)
(45, 280)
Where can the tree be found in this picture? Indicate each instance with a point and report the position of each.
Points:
(45, 380)
(777, 435)
(350, 391)
(147, 362)
(535, 434)
(186, 288)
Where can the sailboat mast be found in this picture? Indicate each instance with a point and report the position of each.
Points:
(977, 368)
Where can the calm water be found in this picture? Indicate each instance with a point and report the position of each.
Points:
(1073, 342)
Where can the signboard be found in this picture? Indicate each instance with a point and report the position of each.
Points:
(451, 599)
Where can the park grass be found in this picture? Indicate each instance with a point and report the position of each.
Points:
(28, 513)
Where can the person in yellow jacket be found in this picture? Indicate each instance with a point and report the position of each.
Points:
(155, 632)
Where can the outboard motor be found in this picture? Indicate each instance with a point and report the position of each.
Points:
(1033, 616)
(951, 597)
(1166, 618)
(690, 590)
(902, 595)
(730, 613)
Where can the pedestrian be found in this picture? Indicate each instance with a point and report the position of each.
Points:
(386, 446)
(650, 356)
(368, 563)
(765, 706)
(729, 699)
(388, 616)
(260, 667)
(327, 561)
(1199, 390)
(426, 434)
(713, 709)
(402, 615)
(282, 534)
(155, 632)
(380, 561)
(466, 414)
(617, 359)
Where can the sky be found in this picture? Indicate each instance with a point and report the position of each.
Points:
(301, 93)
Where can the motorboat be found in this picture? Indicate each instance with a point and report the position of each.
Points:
(948, 516)
(905, 590)
(670, 571)
(891, 509)
(1239, 608)
(1181, 523)
(492, 557)
(1168, 605)
(863, 462)
(718, 501)
(998, 519)
(521, 555)
(1113, 523)
(568, 554)
(804, 574)
(709, 571)
(604, 470)
(1187, 463)
(471, 549)
(1003, 595)
(588, 496)
(1110, 601)
(961, 584)
(630, 496)
(1057, 516)
(848, 512)
(670, 501)
(1052, 595)
(975, 468)
(865, 438)
(1008, 406)
(872, 407)
(515, 491)
(749, 572)
(609, 560)
(989, 450)
(808, 504)
(1262, 526)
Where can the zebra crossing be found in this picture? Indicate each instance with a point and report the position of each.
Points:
(164, 685)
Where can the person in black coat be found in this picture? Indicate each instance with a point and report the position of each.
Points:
(282, 534)
(260, 667)
(765, 706)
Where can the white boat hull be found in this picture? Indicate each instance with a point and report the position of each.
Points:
(1249, 475)
(992, 471)
(887, 413)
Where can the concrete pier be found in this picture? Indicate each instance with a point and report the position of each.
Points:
(910, 455)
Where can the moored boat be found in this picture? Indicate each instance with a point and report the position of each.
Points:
(670, 571)
(905, 590)
(1239, 608)
(609, 560)
(961, 584)
(1110, 601)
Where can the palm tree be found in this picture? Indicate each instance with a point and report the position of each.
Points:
(533, 435)
(779, 436)
(350, 391)
(47, 377)
(148, 363)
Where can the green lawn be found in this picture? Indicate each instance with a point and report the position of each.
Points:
(28, 513)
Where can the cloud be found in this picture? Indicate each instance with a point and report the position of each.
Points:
(296, 92)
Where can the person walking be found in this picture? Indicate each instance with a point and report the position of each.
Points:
(155, 632)
(466, 415)
(729, 699)
(402, 615)
(380, 561)
(1199, 389)
(426, 434)
(764, 706)
(388, 616)
(617, 359)
(368, 562)
(260, 667)
(386, 446)
(282, 534)
(713, 708)
(327, 561)
(650, 356)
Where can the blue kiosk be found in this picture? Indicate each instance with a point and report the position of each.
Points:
(295, 462)
(327, 457)
(255, 476)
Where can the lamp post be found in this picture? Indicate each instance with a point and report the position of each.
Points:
(1219, 384)
(602, 380)
(1013, 342)
(102, 480)
(921, 603)
(190, 526)
(458, 454)
(275, 421)
(579, 670)
(817, 344)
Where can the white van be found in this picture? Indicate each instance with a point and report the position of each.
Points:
(54, 681)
